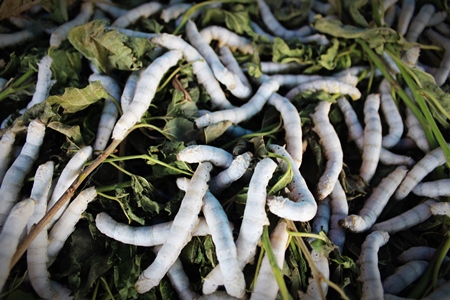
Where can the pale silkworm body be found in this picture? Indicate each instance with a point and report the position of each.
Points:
(268, 67)
(422, 168)
(372, 138)
(414, 129)
(419, 22)
(261, 31)
(266, 287)
(253, 221)
(292, 126)
(389, 16)
(60, 34)
(243, 88)
(129, 88)
(144, 92)
(331, 86)
(234, 131)
(389, 158)
(200, 68)
(405, 16)
(408, 219)
(12, 229)
(201, 153)
(392, 116)
(315, 291)
(290, 80)
(332, 149)
(276, 28)
(411, 56)
(44, 81)
(376, 202)
(111, 9)
(40, 191)
(228, 38)
(339, 210)
(62, 229)
(355, 130)
(440, 293)
(110, 111)
(180, 231)
(174, 11)
(6, 149)
(433, 189)
(133, 15)
(418, 253)
(303, 206)
(404, 276)
(244, 112)
(67, 177)
(134, 33)
(441, 208)
(437, 18)
(443, 71)
(219, 295)
(235, 171)
(22, 165)
(372, 288)
(13, 39)
(321, 220)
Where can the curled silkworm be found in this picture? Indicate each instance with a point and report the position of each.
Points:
(228, 38)
(242, 84)
(142, 11)
(200, 153)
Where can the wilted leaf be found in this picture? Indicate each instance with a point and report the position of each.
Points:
(282, 53)
(214, 131)
(15, 7)
(74, 99)
(66, 67)
(72, 133)
(124, 200)
(142, 191)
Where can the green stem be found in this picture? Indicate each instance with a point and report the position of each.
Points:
(307, 234)
(121, 169)
(16, 85)
(376, 12)
(143, 125)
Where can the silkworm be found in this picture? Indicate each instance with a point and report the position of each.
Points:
(414, 128)
(174, 11)
(241, 81)
(392, 116)
(129, 89)
(303, 206)
(408, 219)
(60, 34)
(437, 18)
(62, 229)
(321, 220)
(422, 168)
(67, 177)
(201, 153)
(236, 170)
(443, 71)
(13, 39)
(234, 131)
(419, 22)
(404, 276)
(244, 112)
(253, 221)
(266, 287)
(389, 16)
(441, 208)
(258, 30)
(144, 92)
(372, 288)
(339, 210)
(13, 227)
(439, 293)
(332, 149)
(433, 189)
(292, 126)
(180, 231)
(418, 253)
(22, 165)
(317, 286)
(6, 149)
(290, 80)
(411, 56)
(111, 9)
(374, 205)
(225, 37)
(200, 68)
(405, 16)
(44, 81)
(268, 67)
(141, 11)
(331, 86)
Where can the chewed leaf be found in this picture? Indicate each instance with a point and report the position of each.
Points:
(74, 99)
(71, 132)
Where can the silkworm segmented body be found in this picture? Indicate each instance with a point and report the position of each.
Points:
(419, 22)
(405, 16)
(44, 81)
(331, 86)
(404, 276)
(129, 89)
(243, 88)
(391, 115)
(433, 189)
(441, 208)
(414, 129)
(201, 153)
(142, 11)
(235, 171)
(418, 253)
(6, 149)
(339, 210)
(228, 38)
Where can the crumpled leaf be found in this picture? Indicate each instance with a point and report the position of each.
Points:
(109, 49)
(72, 133)
(353, 7)
(15, 7)
(182, 129)
(66, 67)
(214, 131)
(142, 191)
(74, 99)
(282, 53)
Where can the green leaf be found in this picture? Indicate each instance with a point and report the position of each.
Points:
(57, 9)
(72, 133)
(214, 131)
(74, 99)
(353, 7)
(126, 273)
(142, 191)
(182, 129)
(66, 67)
(282, 53)
(124, 201)
(329, 59)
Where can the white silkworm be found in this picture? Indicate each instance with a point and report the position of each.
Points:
(292, 127)
(180, 231)
(266, 287)
(110, 110)
(443, 71)
(404, 276)
(60, 34)
(219, 295)
(268, 67)
(244, 112)
(392, 116)
(142, 11)
(174, 11)
(276, 28)
(225, 37)
(422, 168)
(418, 253)
(314, 290)
(200, 67)
(290, 80)
(13, 39)
(441, 208)
(437, 18)
(374, 205)
(389, 16)
(408, 219)
(129, 89)
(22, 165)
(13, 227)
(372, 288)
(67, 177)
(242, 84)
(433, 189)
(257, 29)
(144, 92)
(419, 22)
(253, 221)
(331, 146)
(414, 128)
(303, 206)
(339, 210)
(6, 149)
(201, 153)
(372, 138)
(411, 56)
(134, 33)
(62, 229)
(44, 81)
(236, 170)
(145, 236)
(331, 86)
(405, 16)
(234, 131)
(321, 220)
(110, 8)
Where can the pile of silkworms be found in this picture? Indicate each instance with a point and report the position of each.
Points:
(361, 169)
